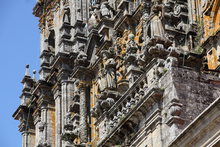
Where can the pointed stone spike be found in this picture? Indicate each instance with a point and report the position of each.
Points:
(27, 70)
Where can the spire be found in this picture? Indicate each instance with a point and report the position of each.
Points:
(34, 75)
(27, 70)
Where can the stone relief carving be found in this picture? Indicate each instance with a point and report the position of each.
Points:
(108, 74)
(50, 20)
(81, 59)
(156, 28)
(105, 10)
(139, 33)
(131, 51)
(93, 20)
(71, 128)
(129, 48)
(106, 104)
(41, 126)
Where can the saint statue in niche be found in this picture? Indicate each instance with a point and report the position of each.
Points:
(108, 74)
(155, 26)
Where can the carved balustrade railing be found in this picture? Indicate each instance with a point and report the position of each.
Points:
(129, 103)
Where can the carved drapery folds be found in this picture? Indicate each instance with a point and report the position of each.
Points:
(155, 22)
(107, 84)
(107, 79)
(117, 70)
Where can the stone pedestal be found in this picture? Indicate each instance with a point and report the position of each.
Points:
(133, 72)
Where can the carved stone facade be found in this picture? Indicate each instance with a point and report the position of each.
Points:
(129, 73)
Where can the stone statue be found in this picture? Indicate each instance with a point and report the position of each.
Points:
(105, 11)
(131, 45)
(156, 26)
(106, 104)
(93, 20)
(131, 51)
(101, 81)
(81, 59)
(108, 75)
(155, 22)
(68, 118)
(96, 111)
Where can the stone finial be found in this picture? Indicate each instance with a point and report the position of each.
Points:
(27, 70)
(34, 75)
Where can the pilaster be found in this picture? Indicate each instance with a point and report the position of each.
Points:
(83, 112)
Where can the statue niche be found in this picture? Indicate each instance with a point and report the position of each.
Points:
(155, 26)
(107, 80)
(156, 39)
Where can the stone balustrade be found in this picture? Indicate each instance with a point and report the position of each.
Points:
(124, 110)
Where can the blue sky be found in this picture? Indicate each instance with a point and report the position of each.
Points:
(19, 45)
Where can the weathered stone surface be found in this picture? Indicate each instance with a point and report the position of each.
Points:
(124, 73)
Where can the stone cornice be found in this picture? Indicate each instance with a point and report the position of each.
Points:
(212, 110)
(151, 97)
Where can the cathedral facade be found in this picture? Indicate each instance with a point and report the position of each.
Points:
(124, 73)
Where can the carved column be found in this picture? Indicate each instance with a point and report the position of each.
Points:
(36, 117)
(83, 112)
(67, 91)
(28, 138)
(58, 119)
(46, 126)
